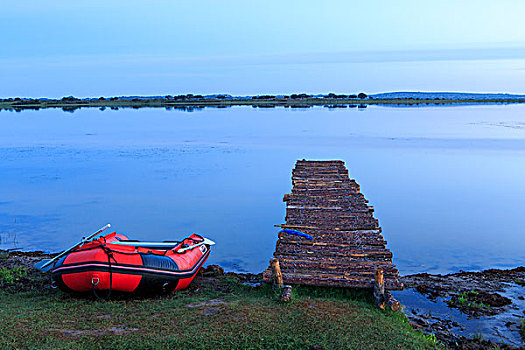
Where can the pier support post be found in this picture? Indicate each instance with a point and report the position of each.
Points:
(277, 275)
(379, 289)
(286, 295)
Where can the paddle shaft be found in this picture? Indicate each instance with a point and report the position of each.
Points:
(84, 240)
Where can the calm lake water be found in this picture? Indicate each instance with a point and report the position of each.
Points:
(448, 183)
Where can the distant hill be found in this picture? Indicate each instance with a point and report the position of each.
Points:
(445, 95)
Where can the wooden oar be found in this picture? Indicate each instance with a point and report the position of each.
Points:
(45, 265)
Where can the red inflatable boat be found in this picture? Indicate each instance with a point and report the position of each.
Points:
(115, 263)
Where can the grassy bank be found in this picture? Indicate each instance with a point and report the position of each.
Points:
(214, 313)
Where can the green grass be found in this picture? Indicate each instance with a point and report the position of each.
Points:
(244, 318)
(522, 327)
(11, 275)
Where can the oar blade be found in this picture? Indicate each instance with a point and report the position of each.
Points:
(41, 265)
(208, 241)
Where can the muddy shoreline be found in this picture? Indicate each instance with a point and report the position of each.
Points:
(487, 306)
(483, 296)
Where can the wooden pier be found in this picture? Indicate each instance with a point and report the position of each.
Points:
(347, 247)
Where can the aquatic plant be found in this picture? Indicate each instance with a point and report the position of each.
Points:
(431, 338)
(7, 238)
(520, 282)
(464, 299)
(522, 327)
(478, 336)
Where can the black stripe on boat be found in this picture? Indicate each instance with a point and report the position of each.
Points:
(151, 282)
(128, 268)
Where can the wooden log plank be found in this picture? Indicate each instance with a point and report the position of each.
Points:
(339, 200)
(341, 259)
(321, 212)
(291, 267)
(337, 281)
(323, 249)
(367, 244)
(343, 241)
(326, 192)
(315, 230)
(336, 236)
(354, 255)
(320, 216)
(337, 226)
(295, 226)
(343, 200)
(324, 187)
(289, 261)
(333, 281)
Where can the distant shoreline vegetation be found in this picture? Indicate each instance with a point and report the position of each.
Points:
(190, 102)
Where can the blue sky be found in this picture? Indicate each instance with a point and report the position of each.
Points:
(57, 48)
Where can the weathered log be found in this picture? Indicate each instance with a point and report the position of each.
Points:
(319, 231)
(332, 280)
(342, 241)
(318, 207)
(379, 289)
(340, 261)
(392, 302)
(278, 277)
(346, 224)
(299, 191)
(322, 187)
(342, 225)
(295, 226)
(333, 266)
(336, 206)
(321, 252)
(337, 281)
(350, 263)
(323, 203)
(328, 212)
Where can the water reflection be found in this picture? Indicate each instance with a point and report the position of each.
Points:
(447, 183)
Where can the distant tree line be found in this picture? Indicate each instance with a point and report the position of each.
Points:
(186, 97)
(361, 96)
